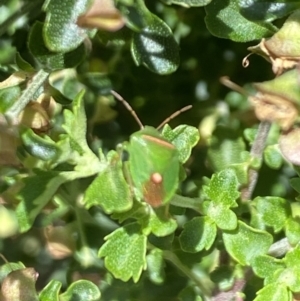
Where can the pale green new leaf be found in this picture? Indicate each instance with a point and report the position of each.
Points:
(223, 188)
(246, 243)
(274, 211)
(184, 137)
(110, 189)
(274, 292)
(124, 252)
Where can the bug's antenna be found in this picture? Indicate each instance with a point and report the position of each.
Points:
(128, 107)
(175, 114)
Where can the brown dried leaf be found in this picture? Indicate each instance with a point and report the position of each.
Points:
(289, 144)
(283, 48)
(102, 15)
(19, 285)
(60, 241)
(274, 108)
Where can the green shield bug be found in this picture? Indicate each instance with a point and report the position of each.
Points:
(154, 163)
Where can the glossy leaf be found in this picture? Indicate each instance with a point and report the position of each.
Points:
(50, 291)
(124, 252)
(266, 10)
(153, 44)
(274, 211)
(110, 189)
(81, 290)
(246, 243)
(51, 61)
(224, 20)
(61, 33)
(39, 147)
(184, 137)
(188, 3)
(198, 234)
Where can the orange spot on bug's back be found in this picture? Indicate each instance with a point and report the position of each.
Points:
(156, 178)
(153, 190)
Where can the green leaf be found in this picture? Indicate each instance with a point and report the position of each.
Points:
(224, 218)
(154, 45)
(39, 147)
(8, 96)
(110, 189)
(272, 156)
(226, 149)
(125, 252)
(160, 223)
(184, 137)
(156, 265)
(224, 20)
(223, 188)
(199, 233)
(245, 243)
(36, 193)
(61, 33)
(51, 61)
(7, 268)
(58, 96)
(188, 3)
(22, 64)
(274, 292)
(50, 291)
(81, 290)
(222, 191)
(75, 126)
(274, 211)
(265, 266)
(292, 230)
(266, 10)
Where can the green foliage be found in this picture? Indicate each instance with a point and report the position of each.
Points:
(93, 208)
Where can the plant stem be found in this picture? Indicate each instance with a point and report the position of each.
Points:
(37, 81)
(170, 256)
(256, 152)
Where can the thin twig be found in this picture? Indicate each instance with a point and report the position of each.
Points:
(256, 152)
